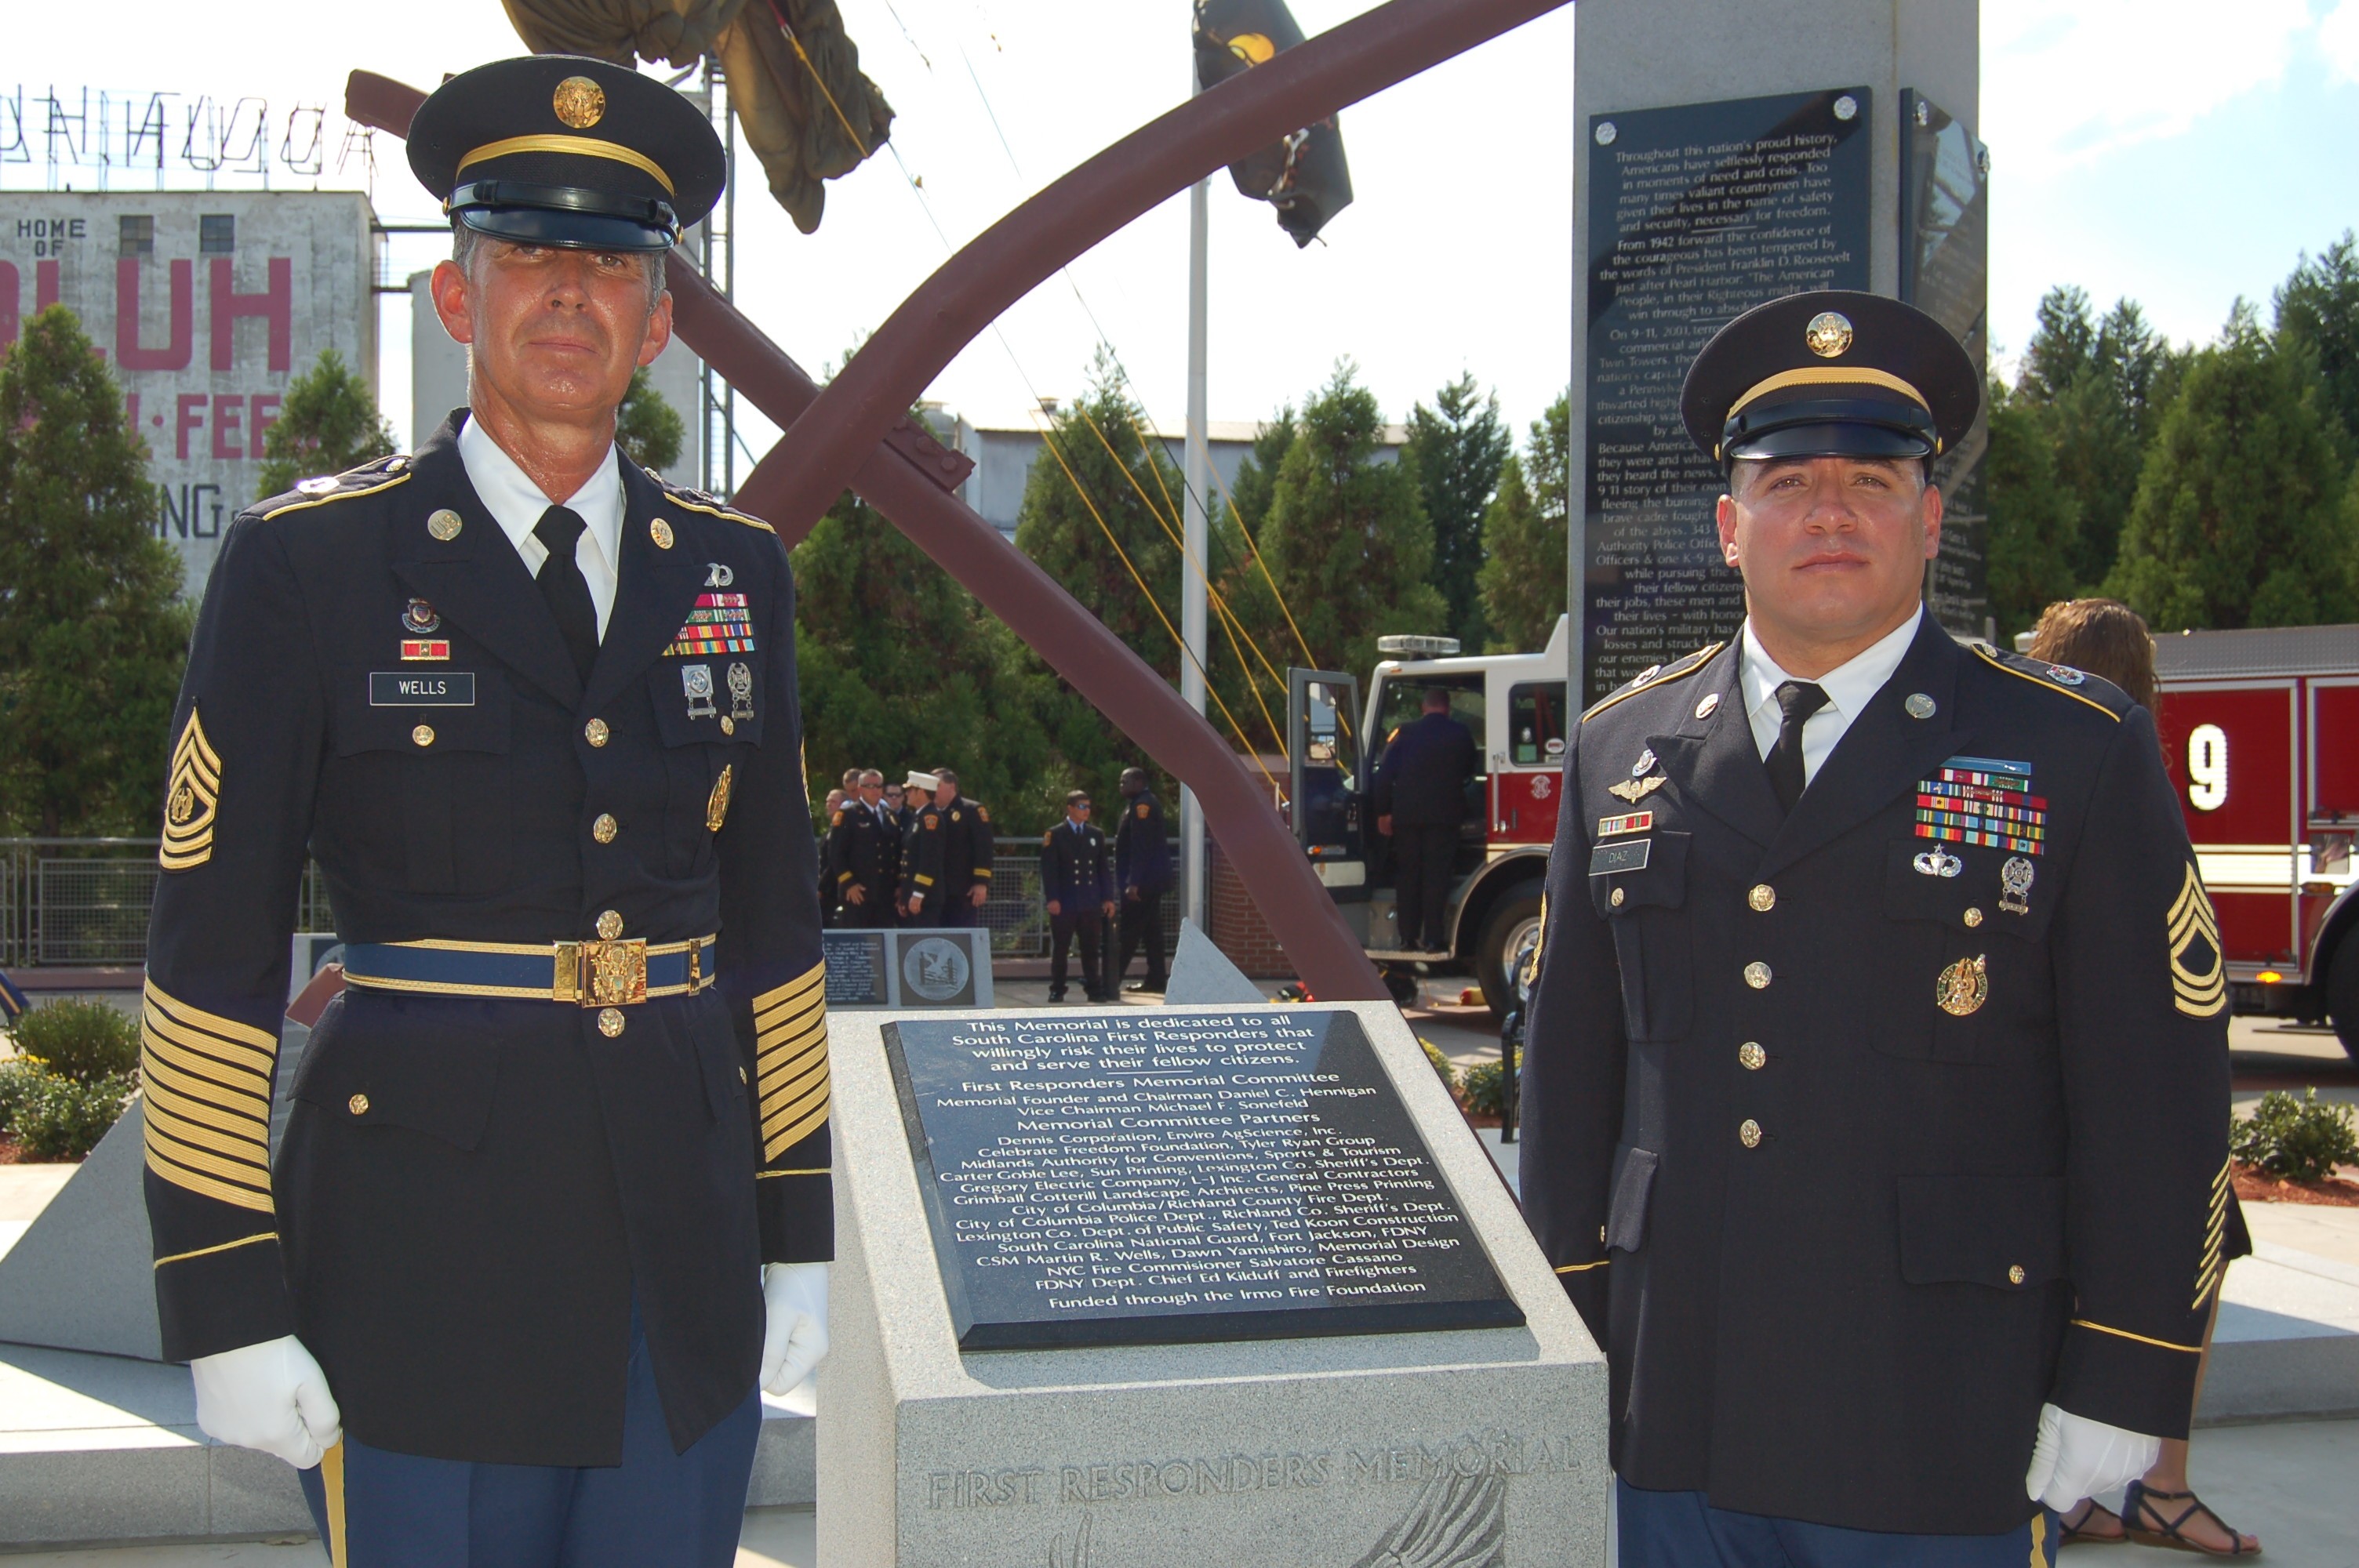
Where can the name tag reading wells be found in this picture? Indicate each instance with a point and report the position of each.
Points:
(1630, 855)
(398, 689)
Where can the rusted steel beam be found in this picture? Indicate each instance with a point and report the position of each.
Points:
(908, 491)
(800, 477)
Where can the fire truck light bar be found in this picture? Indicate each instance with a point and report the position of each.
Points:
(1418, 647)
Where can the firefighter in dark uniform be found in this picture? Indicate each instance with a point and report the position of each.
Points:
(864, 848)
(1077, 886)
(1875, 1098)
(553, 1202)
(1142, 868)
(1420, 800)
(917, 806)
(952, 880)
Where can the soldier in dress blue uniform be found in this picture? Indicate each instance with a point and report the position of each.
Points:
(553, 1202)
(864, 849)
(1875, 1096)
(1077, 886)
(1142, 868)
(1420, 800)
(952, 879)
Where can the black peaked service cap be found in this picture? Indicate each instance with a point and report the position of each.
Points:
(1831, 373)
(567, 151)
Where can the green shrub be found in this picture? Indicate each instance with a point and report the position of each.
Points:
(18, 1081)
(63, 1118)
(84, 1040)
(1484, 1088)
(2295, 1139)
(1449, 1073)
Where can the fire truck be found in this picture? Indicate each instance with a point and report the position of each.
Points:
(1516, 706)
(2260, 731)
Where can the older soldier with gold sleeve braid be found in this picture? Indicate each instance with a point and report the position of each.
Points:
(1877, 1089)
(554, 1199)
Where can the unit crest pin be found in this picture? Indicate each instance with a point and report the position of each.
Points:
(420, 617)
(1645, 764)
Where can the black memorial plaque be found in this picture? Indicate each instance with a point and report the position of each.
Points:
(1697, 213)
(1945, 272)
(856, 968)
(1172, 1177)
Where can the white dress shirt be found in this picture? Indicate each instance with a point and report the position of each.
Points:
(1849, 687)
(517, 504)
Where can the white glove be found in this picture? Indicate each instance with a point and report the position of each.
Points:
(270, 1396)
(2076, 1457)
(794, 1334)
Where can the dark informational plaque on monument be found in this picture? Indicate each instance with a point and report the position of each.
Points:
(1696, 214)
(1178, 1176)
(856, 965)
(1944, 272)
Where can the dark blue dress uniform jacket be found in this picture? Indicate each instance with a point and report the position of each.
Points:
(1421, 778)
(473, 1192)
(1075, 869)
(1142, 854)
(1948, 1217)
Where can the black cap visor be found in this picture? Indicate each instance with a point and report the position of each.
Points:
(565, 217)
(1831, 428)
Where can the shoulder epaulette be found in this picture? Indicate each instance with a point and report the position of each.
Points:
(697, 501)
(365, 480)
(2062, 680)
(1659, 675)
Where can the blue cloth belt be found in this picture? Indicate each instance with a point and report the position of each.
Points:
(585, 974)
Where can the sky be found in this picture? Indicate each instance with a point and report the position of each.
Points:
(2177, 154)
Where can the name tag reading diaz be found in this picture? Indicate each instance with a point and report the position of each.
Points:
(399, 689)
(1629, 855)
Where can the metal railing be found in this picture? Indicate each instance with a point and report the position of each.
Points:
(84, 903)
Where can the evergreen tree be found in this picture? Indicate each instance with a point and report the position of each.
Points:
(1257, 472)
(92, 629)
(2317, 311)
(2095, 390)
(2034, 517)
(1457, 446)
(647, 426)
(2240, 518)
(328, 424)
(1346, 538)
(1527, 535)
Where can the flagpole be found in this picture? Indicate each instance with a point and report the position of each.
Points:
(1197, 487)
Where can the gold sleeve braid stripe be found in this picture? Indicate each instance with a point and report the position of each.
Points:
(2199, 992)
(2215, 1230)
(191, 800)
(207, 1084)
(790, 1061)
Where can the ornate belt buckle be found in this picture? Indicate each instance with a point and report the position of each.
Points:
(602, 974)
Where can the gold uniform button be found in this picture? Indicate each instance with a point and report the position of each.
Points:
(595, 731)
(1757, 975)
(1763, 898)
(423, 734)
(1973, 917)
(2014, 1274)
(728, 725)
(1748, 1132)
(357, 1105)
(1616, 897)
(660, 532)
(605, 828)
(610, 1021)
(610, 925)
(1751, 1054)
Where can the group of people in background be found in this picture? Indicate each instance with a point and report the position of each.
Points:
(919, 853)
(915, 853)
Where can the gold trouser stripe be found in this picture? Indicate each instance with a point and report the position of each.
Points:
(223, 1247)
(211, 1022)
(578, 147)
(332, 1482)
(205, 1187)
(2038, 1539)
(2142, 1339)
(768, 1175)
(1583, 1267)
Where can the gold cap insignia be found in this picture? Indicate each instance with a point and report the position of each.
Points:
(716, 807)
(1829, 334)
(579, 103)
(1963, 987)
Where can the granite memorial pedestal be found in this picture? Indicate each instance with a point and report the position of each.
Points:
(1234, 1285)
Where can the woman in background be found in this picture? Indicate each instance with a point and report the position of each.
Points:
(2107, 638)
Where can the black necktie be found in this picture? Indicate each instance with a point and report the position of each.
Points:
(1796, 700)
(565, 589)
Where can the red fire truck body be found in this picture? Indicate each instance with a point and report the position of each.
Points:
(2260, 731)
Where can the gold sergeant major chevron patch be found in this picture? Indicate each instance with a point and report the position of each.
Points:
(191, 800)
(2200, 988)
